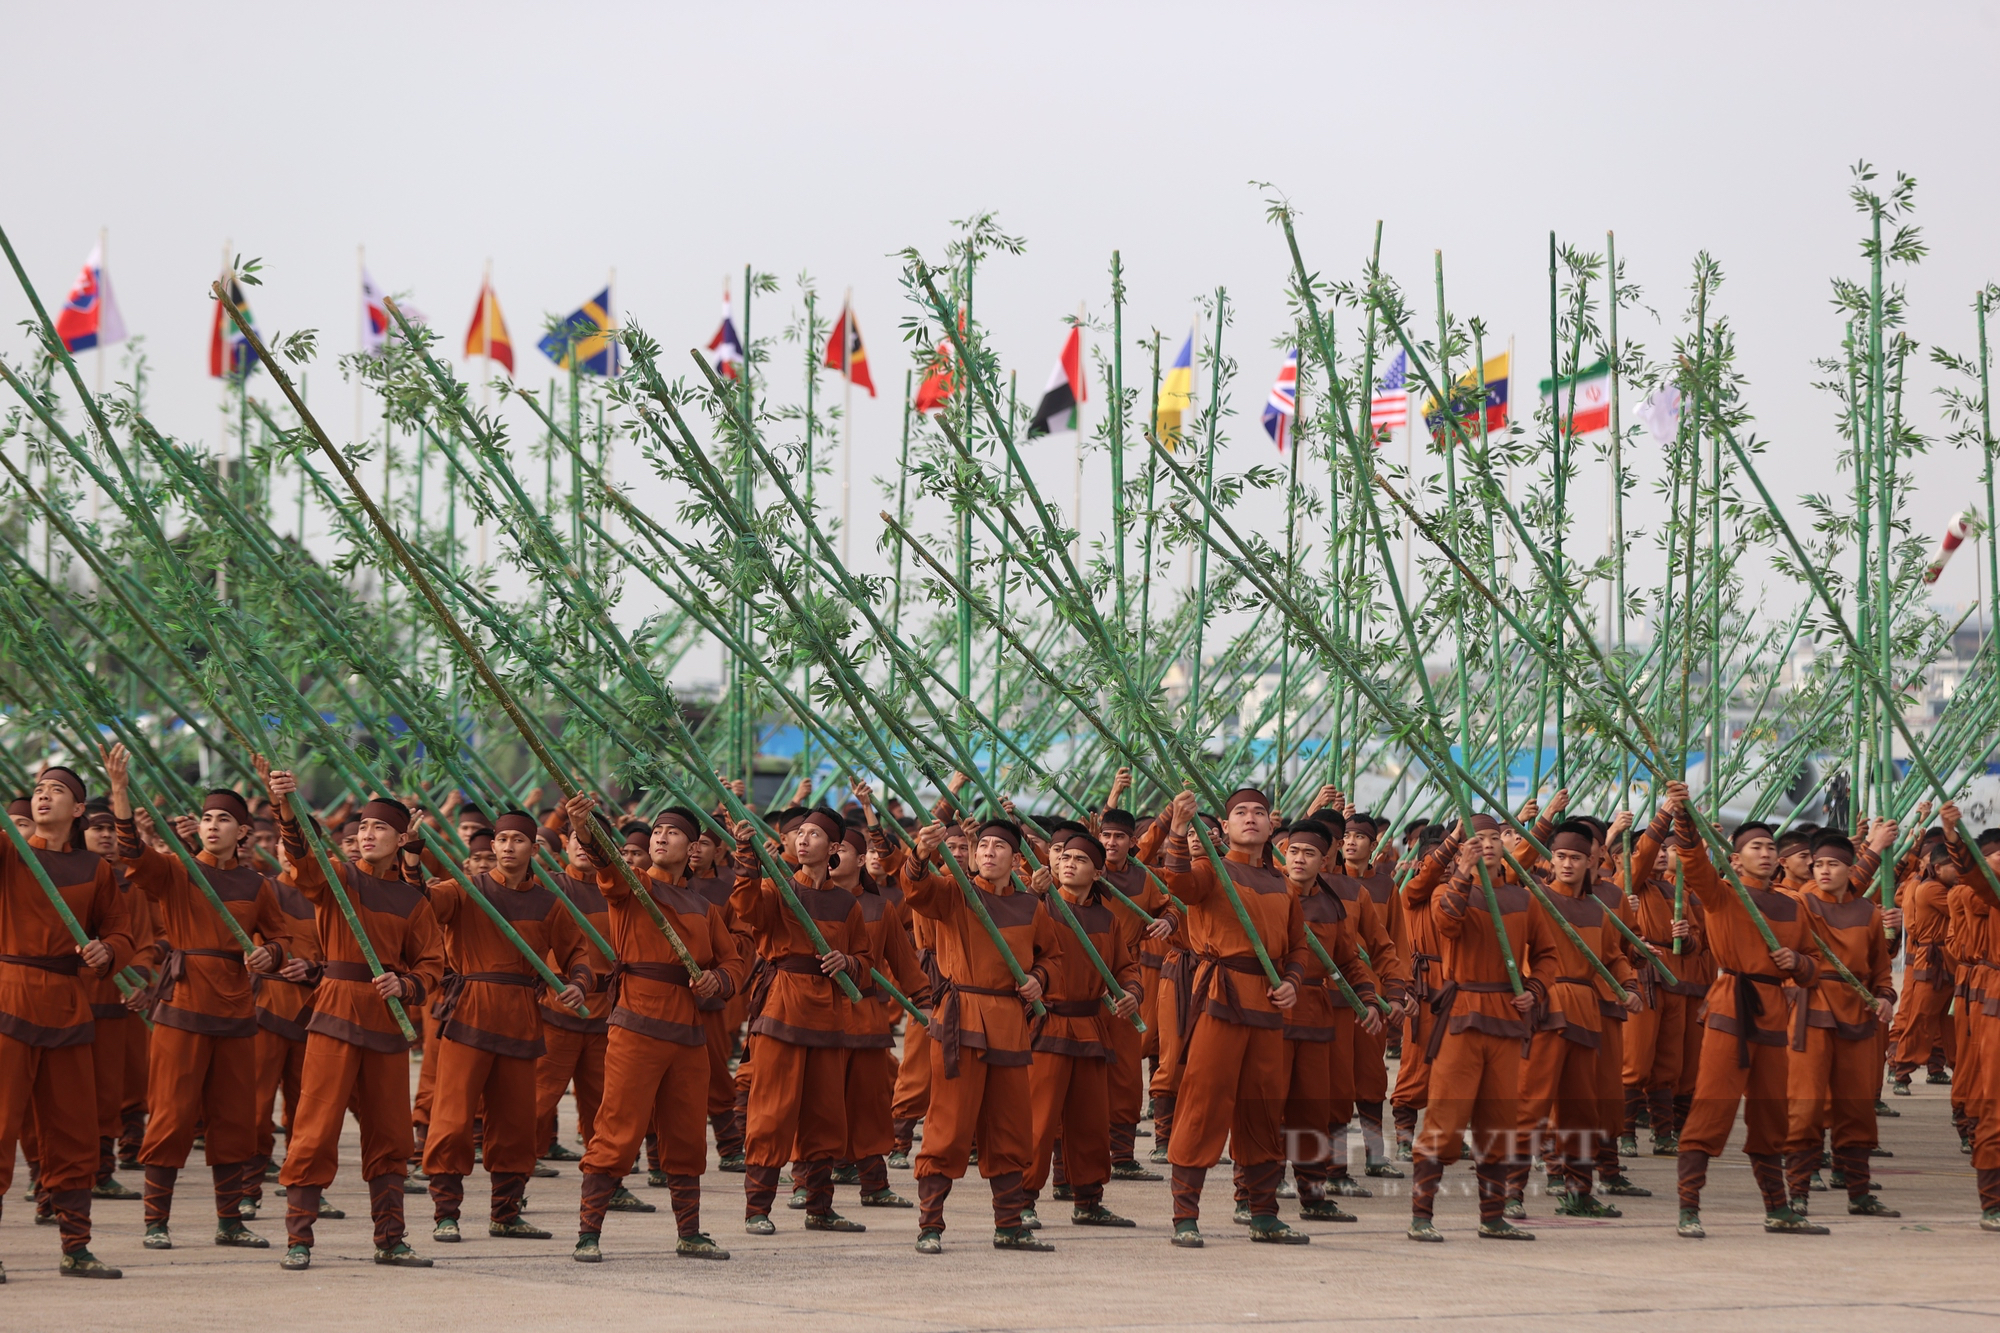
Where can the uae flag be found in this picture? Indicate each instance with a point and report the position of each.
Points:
(1057, 410)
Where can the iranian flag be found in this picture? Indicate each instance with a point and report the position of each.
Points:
(1592, 387)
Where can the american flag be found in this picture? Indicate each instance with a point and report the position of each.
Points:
(1283, 404)
(1390, 407)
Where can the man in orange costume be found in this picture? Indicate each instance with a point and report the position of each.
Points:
(356, 1055)
(204, 1043)
(1480, 1031)
(1068, 1084)
(798, 1040)
(45, 1016)
(980, 1042)
(1232, 1029)
(1836, 1036)
(1746, 1062)
(490, 1028)
(656, 1054)
(1561, 1085)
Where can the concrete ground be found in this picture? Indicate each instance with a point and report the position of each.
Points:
(1934, 1266)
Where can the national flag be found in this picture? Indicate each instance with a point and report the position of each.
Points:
(1592, 388)
(726, 346)
(487, 336)
(376, 326)
(939, 380)
(229, 352)
(374, 315)
(1066, 388)
(1282, 407)
(1662, 413)
(90, 318)
(1464, 391)
(844, 351)
(585, 334)
(1389, 409)
(1962, 525)
(1176, 395)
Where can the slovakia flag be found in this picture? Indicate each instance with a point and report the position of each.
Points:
(90, 317)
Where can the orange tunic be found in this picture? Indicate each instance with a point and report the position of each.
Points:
(1078, 1024)
(204, 986)
(282, 1004)
(1853, 930)
(803, 1006)
(1746, 999)
(490, 997)
(973, 994)
(595, 910)
(1338, 925)
(402, 929)
(1216, 937)
(649, 984)
(43, 1001)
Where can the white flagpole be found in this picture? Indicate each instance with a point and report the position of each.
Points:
(360, 332)
(103, 283)
(846, 418)
(485, 380)
(1076, 416)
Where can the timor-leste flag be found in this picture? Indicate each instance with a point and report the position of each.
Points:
(1066, 388)
(488, 335)
(845, 353)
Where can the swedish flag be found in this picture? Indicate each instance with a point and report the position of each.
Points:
(586, 334)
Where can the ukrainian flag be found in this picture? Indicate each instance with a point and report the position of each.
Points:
(1176, 396)
(586, 333)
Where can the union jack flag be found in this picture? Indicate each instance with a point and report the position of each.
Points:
(1282, 407)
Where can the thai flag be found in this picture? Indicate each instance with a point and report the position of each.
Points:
(1282, 407)
(90, 318)
(725, 345)
(1389, 409)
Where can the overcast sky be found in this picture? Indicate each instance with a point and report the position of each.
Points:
(677, 143)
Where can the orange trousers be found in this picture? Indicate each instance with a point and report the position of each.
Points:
(1149, 1010)
(1830, 1085)
(1610, 1069)
(1721, 1086)
(1070, 1100)
(1983, 1097)
(571, 1057)
(650, 1083)
(57, 1086)
(1125, 1079)
(1558, 1111)
(913, 1076)
(1232, 1091)
(798, 1098)
(1413, 1074)
(1316, 1072)
(109, 1059)
(991, 1102)
(469, 1079)
(1475, 1083)
(427, 1074)
(871, 1090)
(376, 1084)
(1925, 1021)
(1167, 1065)
(1654, 1040)
(721, 1078)
(138, 1047)
(209, 1082)
(280, 1063)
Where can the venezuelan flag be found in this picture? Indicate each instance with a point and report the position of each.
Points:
(1176, 396)
(587, 333)
(1463, 392)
